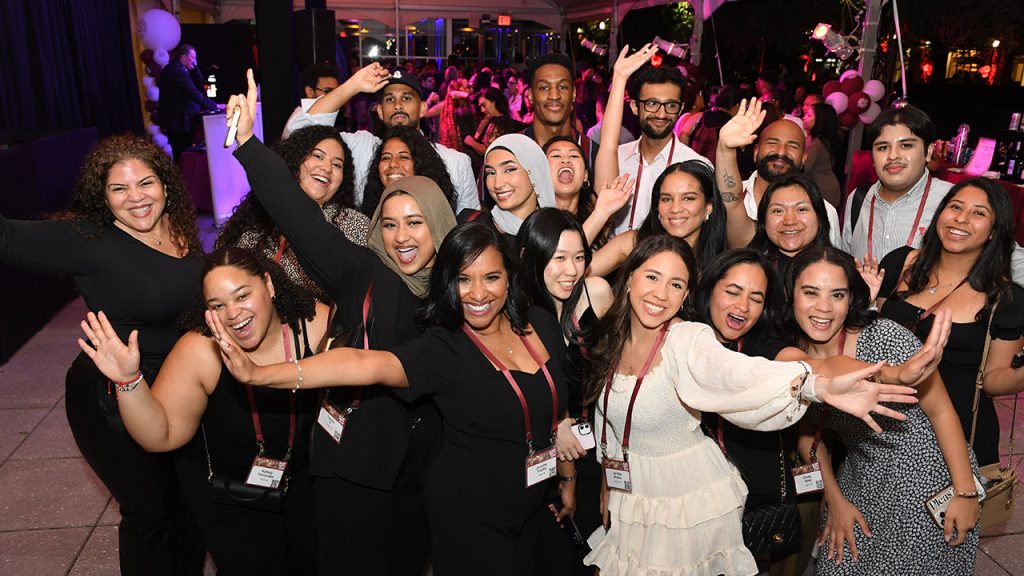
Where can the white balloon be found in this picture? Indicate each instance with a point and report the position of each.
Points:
(874, 89)
(848, 74)
(868, 116)
(839, 101)
(167, 150)
(161, 57)
(148, 81)
(160, 139)
(153, 129)
(153, 93)
(159, 29)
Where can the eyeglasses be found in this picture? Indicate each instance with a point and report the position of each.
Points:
(652, 105)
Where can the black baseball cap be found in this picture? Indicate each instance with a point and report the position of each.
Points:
(402, 77)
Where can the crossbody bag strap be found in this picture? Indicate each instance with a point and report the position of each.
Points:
(979, 380)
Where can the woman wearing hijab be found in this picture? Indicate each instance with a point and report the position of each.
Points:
(518, 178)
(371, 451)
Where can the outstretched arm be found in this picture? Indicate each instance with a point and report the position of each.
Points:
(367, 79)
(606, 165)
(737, 133)
(610, 199)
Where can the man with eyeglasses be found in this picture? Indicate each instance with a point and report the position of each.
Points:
(657, 99)
(317, 80)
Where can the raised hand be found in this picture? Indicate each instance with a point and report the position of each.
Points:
(236, 360)
(116, 361)
(246, 106)
(741, 130)
(612, 197)
(627, 63)
(872, 274)
(858, 397)
(369, 78)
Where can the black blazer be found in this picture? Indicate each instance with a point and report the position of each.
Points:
(181, 100)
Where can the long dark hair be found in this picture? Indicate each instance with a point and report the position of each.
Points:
(443, 305)
(713, 271)
(535, 244)
(89, 203)
(496, 96)
(292, 302)
(858, 315)
(425, 162)
(251, 216)
(587, 199)
(609, 334)
(826, 128)
(762, 243)
(991, 274)
(712, 239)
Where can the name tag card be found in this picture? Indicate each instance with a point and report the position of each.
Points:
(541, 466)
(266, 472)
(807, 479)
(616, 475)
(332, 421)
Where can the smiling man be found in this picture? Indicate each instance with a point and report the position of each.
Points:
(657, 96)
(399, 104)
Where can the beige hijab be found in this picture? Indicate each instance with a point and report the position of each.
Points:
(437, 213)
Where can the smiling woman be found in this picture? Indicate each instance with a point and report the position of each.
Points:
(791, 217)
(405, 151)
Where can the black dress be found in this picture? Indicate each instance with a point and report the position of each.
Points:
(375, 474)
(962, 355)
(483, 519)
(288, 538)
(140, 289)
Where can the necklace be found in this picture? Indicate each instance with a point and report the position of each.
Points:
(935, 288)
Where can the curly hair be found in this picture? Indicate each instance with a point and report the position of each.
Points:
(89, 212)
(250, 215)
(609, 334)
(425, 162)
(292, 302)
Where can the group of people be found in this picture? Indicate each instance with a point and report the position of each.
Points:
(606, 369)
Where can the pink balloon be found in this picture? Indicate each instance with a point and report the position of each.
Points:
(852, 84)
(859, 102)
(875, 89)
(848, 119)
(848, 74)
(871, 113)
(838, 101)
(830, 87)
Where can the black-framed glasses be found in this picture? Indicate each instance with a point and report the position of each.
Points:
(652, 105)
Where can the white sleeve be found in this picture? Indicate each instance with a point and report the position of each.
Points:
(301, 117)
(363, 145)
(1017, 264)
(750, 392)
(461, 172)
(847, 224)
(835, 233)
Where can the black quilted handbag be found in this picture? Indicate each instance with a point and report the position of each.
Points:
(772, 527)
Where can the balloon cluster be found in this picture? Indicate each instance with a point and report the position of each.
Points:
(160, 33)
(854, 99)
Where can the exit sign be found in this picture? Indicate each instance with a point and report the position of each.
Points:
(504, 19)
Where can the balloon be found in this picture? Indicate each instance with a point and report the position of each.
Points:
(148, 81)
(154, 70)
(859, 102)
(160, 139)
(852, 84)
(150, 106)
(159, 29)
(146, 56)
(848, 119)
(848, 74)
(161, 57)
(871, 113)
(875, 89)
(838, 100)
(153, 93)
(153, 129)
(167, 150)
(830, 87)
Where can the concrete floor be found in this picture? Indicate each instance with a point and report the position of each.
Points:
(56, 518)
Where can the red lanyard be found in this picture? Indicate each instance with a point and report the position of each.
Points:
(934, 307)
(286, 336)
(515, 386)
(640, 172)
(913, 229)
(632, 399)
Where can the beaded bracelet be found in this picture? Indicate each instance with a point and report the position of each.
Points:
(969, 495)
(298, 381)
(129, 385)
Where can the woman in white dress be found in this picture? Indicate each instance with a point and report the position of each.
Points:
(672, 504)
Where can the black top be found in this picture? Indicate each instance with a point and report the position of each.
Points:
(181, 100)
(136, 286)
(376, 435)
(576, 363)
(484, 217)
(481, 410)
(962, 355)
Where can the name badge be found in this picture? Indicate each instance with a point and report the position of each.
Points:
(807, 479)
(616, 475)
(331, 420)
(584, 434)
(541, 466)
(266, 472)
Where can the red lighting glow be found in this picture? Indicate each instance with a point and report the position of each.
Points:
(656, 60)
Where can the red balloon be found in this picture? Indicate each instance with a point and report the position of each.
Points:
(150, 106)
(830, 87)
(146, 56)
(153, 70)
(848, 119)
(852, 84)
(860, 102)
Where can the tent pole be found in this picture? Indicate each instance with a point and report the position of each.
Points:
(398, 38)
(718, 54)
(697, 35)
(868, 43)
(613, 36)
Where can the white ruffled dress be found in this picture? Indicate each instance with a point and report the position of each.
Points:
(684, 514)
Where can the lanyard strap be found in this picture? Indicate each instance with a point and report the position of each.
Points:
(935, 306)
(285, 335)
(913, 229)
(280, 249)
(632, 398)
(515, 386)
(640, 172)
